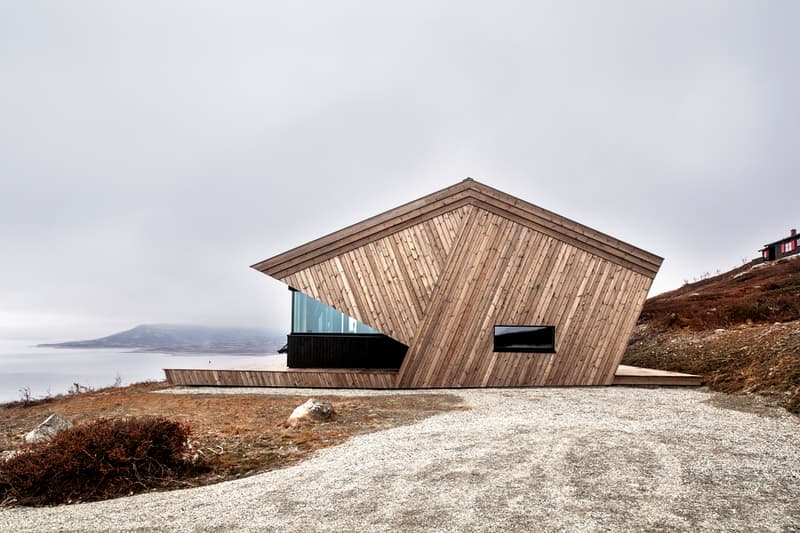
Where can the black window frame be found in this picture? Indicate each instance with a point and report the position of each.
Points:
(537, 348)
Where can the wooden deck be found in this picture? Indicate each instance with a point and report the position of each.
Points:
(308, 377)
(375, 379)
(634, 375)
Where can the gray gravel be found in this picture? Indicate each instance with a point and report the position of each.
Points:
(534, 459)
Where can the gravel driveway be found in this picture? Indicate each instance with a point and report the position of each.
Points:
(520, 459)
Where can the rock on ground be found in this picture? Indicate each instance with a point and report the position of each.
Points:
(311, 411)
(52, 425)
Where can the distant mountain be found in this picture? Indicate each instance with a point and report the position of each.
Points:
(186, 339)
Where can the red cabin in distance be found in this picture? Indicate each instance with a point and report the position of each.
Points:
(779, 249)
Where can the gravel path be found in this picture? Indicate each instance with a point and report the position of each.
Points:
(534, 459)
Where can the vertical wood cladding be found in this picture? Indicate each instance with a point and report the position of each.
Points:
(439, 282)
(504, 273)
(386, 284)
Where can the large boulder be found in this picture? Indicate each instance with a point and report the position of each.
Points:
(53, 424)
(312, 411)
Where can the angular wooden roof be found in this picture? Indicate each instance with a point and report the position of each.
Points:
(437, 273)
(467, 192)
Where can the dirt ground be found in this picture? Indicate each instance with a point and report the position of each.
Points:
(740, 330)
(759, 359)
(548, 459)
(236, 435)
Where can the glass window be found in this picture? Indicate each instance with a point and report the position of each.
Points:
(532, 339)
(312, 316)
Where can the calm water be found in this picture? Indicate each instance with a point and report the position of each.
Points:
(54, 371)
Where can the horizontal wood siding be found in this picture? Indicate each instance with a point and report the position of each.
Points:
(314, 378)
(502, 272)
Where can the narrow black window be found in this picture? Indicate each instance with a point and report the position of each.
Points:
(533, 339)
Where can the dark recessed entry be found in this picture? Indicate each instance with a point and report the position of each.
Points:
(532, 339)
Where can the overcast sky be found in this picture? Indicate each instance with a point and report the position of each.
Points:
(151, 151)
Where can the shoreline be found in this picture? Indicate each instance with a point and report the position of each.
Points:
(52, 371)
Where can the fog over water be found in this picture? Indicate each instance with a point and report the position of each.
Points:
(51, 371)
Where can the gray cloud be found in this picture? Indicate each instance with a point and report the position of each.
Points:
(149, 152)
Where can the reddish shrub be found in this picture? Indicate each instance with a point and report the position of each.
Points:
(770, 293)
(744, 310)
(103, 459)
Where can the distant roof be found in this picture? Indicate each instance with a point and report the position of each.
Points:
(466, 192)
(785, 239)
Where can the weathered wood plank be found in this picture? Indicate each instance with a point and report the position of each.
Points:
(560, 282)
(633, 375)
(314, 378)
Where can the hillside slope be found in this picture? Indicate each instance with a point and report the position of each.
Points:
(739, 330)
(769, 292)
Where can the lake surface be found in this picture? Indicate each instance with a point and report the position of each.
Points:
(55, 371)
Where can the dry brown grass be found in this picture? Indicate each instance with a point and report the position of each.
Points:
(759, 349)
(103, 459)
(759, 358)
(769, 293)
(237, 435)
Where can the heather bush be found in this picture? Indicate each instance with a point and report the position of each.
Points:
(103, 459)
(742, 311)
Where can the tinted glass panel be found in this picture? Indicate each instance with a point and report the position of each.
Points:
(525, 339)
(312, 316)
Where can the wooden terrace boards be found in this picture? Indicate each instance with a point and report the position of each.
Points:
(377, 379)
(315, 378)
(634, 375)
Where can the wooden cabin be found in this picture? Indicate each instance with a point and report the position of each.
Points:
(779, 249)
(465, 287)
